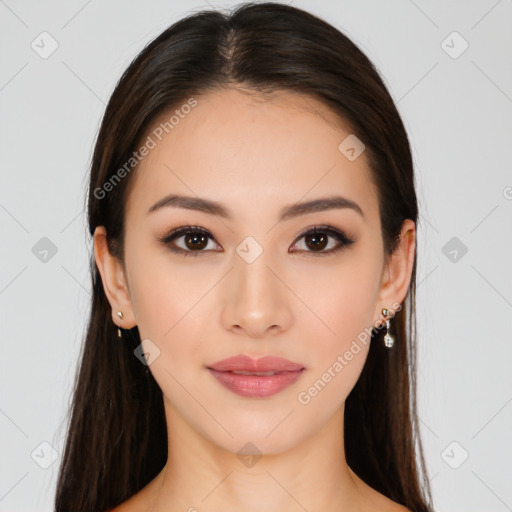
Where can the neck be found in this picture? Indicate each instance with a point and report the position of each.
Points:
(200, 475)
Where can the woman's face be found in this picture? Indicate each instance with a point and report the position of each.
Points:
(249, 283)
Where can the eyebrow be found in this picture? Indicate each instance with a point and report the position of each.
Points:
(288, 212)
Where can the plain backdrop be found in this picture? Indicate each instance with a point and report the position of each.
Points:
(447, 65)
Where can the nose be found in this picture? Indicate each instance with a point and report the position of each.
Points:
(257, 299)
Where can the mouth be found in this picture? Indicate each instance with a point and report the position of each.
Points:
(256, 378)
(261, 374)
(243, 363)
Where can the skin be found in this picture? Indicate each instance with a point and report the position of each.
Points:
(254, 157)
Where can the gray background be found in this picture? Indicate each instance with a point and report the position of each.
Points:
(457, 109)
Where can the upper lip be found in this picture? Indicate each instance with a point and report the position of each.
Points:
(263, 364)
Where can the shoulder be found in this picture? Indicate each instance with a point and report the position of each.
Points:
(139, 501)
(142, 499)
(123, 507)
(373, 500)
(132, 504)
(384, 504)
(387, 505)
(127, 506)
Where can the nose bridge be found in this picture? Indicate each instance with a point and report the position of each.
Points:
(258, 298)
(255, 282)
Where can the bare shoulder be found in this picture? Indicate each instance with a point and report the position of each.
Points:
(126, 506)
(142, 500)
(136, 503)
(374, 500)
(378, 501)
(401, 508)
(384, 504)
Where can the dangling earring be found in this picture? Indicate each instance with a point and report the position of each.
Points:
(120, 315)
(388, 339)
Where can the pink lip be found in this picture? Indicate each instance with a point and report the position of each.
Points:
(263, 364)
(256, 385)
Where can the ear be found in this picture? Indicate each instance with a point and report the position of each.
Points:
(114, 280)
(396, 275)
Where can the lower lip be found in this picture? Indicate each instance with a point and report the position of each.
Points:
(255, 386)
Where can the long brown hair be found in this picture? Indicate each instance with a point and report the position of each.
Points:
(116, 438)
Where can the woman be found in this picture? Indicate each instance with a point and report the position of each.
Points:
(272, 370)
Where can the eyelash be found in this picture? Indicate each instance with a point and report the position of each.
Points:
(340, 236)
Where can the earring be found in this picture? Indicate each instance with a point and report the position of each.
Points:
(120, 315)
(388, 339)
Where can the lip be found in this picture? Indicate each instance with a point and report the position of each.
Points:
(263, 364)
(250, 385)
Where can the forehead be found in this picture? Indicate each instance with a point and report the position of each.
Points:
(254, 153)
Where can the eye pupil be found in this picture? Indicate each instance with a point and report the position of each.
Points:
(316, 241)
(194, 238)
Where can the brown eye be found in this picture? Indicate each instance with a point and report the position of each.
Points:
(187, 240)
(195, 241)
(316, 241)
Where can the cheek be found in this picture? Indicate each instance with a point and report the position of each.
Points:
(157, 303)
(339, 298)
(348, 308)
(339, 332)
(169, 305)
(159, 292)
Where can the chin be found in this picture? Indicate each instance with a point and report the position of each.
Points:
(265, 433)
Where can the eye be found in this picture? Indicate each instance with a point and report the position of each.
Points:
(317, 239)
(195, 240)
